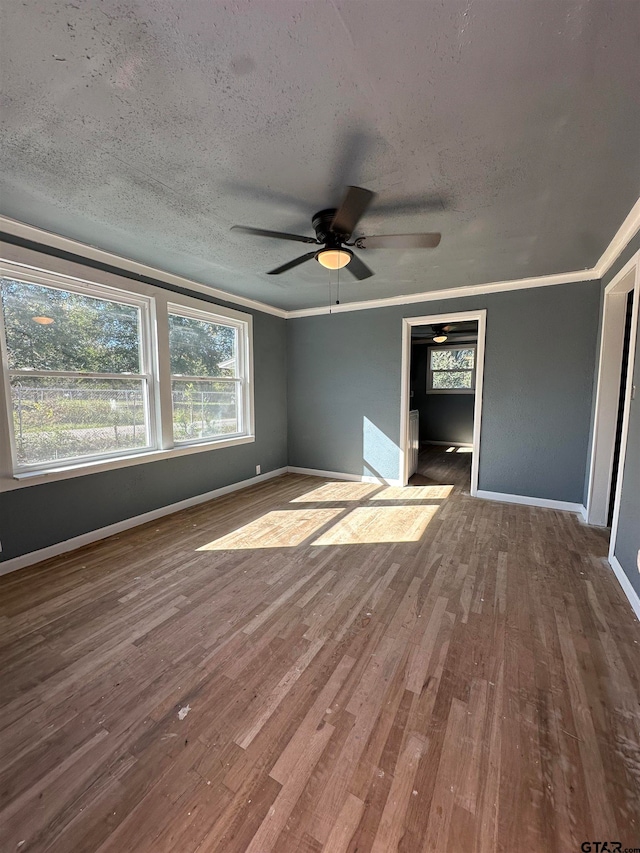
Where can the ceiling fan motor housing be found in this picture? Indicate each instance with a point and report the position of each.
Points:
(322, 226)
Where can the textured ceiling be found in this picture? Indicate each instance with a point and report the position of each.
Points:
(149, 127)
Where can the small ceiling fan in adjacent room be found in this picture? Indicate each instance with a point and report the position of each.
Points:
(334, 228)
(440, 333)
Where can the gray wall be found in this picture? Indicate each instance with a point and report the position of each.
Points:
(344, 388)
(628, 538)
(343, 374)
(37, 516)
(443, 417)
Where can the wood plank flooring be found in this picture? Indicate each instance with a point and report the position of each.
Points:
(312, 666)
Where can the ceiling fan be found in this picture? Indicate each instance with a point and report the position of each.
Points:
(334, 228)
(440, 333)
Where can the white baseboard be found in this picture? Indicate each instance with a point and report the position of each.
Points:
(103, 532)
(338, 475)
(565, 506)
(625, 583)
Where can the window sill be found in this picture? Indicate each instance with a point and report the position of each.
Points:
(452, 391)
(32, 478)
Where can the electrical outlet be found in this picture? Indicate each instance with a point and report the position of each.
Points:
(257, 469)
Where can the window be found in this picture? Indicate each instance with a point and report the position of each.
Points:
(452, 370)
(206, 377)
(97, 376)
(77, 371)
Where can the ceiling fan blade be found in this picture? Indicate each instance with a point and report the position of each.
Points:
(291, 264)
(413, 204)
(279, 235)
(462, 326)
(358, 268)
(354, 204)
(399, 241)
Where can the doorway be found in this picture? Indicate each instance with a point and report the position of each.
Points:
(613, 396)
(441, 399)
(621, 400)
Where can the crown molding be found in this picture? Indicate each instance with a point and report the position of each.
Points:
(623, 236)
(83, 250)
(621, 239)
(450, 293)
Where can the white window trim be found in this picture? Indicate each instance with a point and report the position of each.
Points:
(143, 304)
(430, 372)
(155, 302)
(244, 362)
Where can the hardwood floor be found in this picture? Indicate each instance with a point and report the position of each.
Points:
(438, 465)
(312, 666)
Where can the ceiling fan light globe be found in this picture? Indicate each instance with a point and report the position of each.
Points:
(334, 259)
(439, 339)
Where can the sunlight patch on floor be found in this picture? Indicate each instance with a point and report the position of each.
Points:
(342, 491)
(277, 529)
(412, 493)
(369, 525)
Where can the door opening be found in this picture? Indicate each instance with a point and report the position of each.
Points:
(615, 369)
(442, 367)
(621, 400)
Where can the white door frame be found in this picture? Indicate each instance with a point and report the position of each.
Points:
(453, 317)
(607, 396)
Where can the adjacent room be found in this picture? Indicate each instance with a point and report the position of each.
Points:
(442, 399)
(330, 549)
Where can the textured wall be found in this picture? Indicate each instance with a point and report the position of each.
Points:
(447, 418)
(344, 388)
(443, 417)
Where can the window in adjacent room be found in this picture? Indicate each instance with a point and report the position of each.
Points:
(78, 374)
(208, 376)
(452, 369)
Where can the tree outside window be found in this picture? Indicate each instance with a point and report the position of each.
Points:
(452, 370)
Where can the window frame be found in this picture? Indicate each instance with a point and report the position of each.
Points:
(143, 304)
(243, 360)
(154, 302)
(430, 372)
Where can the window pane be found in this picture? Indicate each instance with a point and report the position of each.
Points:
(58, 418)
(49, 329)
(205, 409)
(202, 348)
(451, 379)
(452, 359)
